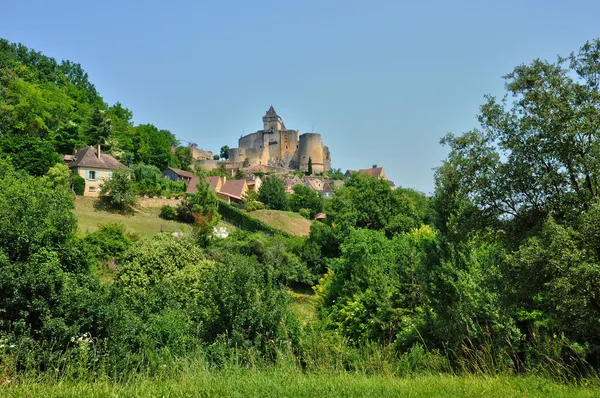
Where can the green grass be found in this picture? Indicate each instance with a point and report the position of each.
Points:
(286, 221)
(145, 222)
(291, 383)
(303, 303)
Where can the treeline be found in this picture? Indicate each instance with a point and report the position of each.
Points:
(49, 109)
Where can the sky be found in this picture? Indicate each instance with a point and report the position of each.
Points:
(381, 81)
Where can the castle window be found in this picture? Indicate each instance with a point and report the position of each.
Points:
(296, 146)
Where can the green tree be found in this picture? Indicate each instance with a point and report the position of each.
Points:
(310, 168)
(368, 202)
(272, 194)
(534, 156)
(183, 155)
(118, 191)
(305, 198)
(224, 152)
(59, 175)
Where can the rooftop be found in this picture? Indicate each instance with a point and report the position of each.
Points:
(88, 157)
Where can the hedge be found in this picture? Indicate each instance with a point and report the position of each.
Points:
(244, 221)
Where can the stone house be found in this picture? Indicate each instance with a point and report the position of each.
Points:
(95, 167)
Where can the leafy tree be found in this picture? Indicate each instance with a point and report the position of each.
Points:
(118, 191)
(372, 291)
(368, 202)
(154, 145)
(536, 155)
(336, 174)
(310, 168)
(183, 155)
(272, 194)
(35, 154)
(305, 198)
(59, 175)
(224, 152)
(100, 128)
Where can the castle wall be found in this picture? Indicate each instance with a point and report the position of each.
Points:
(237, 156)
(254, 140)
(311, 146)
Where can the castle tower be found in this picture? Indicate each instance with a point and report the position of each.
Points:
(272, 121)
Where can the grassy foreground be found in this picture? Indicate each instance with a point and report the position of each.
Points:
(286, 221)
(281, 383)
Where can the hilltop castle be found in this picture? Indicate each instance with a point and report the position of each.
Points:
(277, 146)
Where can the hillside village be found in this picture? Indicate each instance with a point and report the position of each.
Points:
(273, 152)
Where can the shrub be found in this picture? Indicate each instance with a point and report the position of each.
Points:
(305, 213)
(78, 184)
(168, 212)
(110, 240)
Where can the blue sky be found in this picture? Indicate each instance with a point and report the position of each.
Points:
(382, 81)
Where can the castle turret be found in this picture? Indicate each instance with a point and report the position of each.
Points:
(272, 121)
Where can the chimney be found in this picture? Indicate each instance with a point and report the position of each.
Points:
(374, 166)
(98, 152)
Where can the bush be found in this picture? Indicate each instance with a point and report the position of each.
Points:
(109, 241)
(305, 213)
(168, 212)
(78, 184)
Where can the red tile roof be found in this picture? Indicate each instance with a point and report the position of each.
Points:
(320, 216)
(191, 187)
(374, 172)
(234, 188)
(214, 181)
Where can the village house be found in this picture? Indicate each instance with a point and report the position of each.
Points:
(233, 191)
(330, 186)
(94, 166)
(254, 182)
(316, 184)
(374, 171)
(178, 175)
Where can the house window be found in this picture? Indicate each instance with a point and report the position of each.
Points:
(92, 189)
(91, 175)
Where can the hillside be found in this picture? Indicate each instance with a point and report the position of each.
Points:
(146, 222)
(286, 221)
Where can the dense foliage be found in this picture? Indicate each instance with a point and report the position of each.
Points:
(48, 109)
(498, 272)
(272, 194)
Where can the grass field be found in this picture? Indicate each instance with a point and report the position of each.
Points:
(144, 223)
(291, 383)
(286, 221)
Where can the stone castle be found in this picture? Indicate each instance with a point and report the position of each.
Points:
(276, 146)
